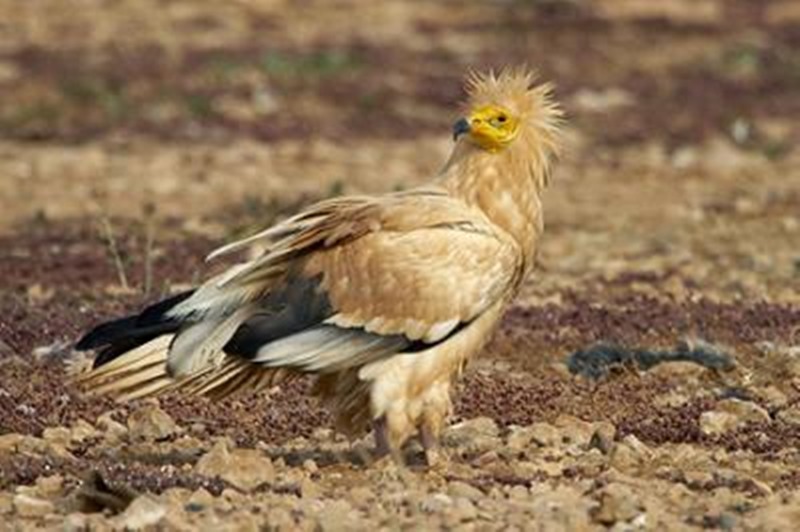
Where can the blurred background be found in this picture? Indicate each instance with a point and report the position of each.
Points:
(137, 135)
(197, 106)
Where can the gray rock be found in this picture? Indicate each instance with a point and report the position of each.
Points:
(280, 519)
(245, 469)
(561, 507)
(57, 436)
(151, 423)
(731, 414)
(75, 522)
(463, 510)
(603, 437)
(545, 435)
(745, 411)
(618, 502)
(199, 500)
(29, 506)
(574, 431)
(49, 487)
(81, 431)
(464, 432)
(773, 397)
(790, 415)
(630, 454)
(473, 437)
(715, 423)
(459, 489)
(113, 431)
(338, 516)
(777, 513)
(518, 438)
(9, 443)
(309, 489)
(144, 511)
(436, 503)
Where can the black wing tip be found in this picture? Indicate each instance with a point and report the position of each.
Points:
(106, 333)
(110, 352)
(150, 320)
(92, 340)
(85, 343)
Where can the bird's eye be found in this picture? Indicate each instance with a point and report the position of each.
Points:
(501, 118)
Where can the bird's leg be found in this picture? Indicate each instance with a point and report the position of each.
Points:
(430, 445)
(380, 429)
(383, 446)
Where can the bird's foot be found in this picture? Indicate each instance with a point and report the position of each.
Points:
(435, 457)
(384, 452)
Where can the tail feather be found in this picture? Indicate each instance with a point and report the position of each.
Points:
(111, 352)
(153, 388)
(137, 355)
(131, 372)
(131, 382)
(236, 375)
(138, 359)
(234, 383)
(252, 347)
(207, 384)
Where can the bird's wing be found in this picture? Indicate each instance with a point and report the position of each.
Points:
(381, 273)
(369, 253)
(342, 284)
(422, 284)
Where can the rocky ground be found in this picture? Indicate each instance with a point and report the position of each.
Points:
(648, 377)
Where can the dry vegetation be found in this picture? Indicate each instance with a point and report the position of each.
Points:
(132, 143)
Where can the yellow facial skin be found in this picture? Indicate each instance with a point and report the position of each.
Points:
(492, 127)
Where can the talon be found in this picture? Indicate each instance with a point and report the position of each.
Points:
(380, 431)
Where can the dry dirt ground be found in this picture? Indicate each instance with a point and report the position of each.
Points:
(649, 376)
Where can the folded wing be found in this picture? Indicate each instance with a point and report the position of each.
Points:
(342, 284)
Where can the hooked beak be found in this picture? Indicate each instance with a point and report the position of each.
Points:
(460, 127)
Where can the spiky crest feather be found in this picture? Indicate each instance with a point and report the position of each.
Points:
(540, 115)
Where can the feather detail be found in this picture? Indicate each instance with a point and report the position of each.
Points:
(327, 349)
(130, 371)
(200, 345)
